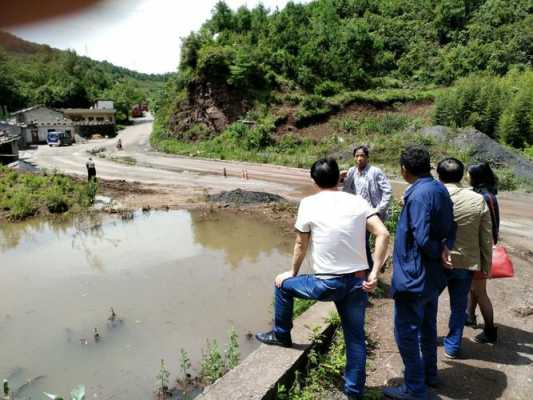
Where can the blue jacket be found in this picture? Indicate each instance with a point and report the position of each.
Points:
(425, 225)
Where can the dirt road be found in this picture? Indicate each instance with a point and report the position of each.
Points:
(195, 175)
(142, 165)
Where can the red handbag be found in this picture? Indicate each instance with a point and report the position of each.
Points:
(502, 266)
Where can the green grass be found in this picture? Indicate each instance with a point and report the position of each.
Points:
(23, 195)
(323, 374)
(301, 306)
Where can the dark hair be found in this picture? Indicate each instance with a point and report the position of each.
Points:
(363, 147)
(325, 173)
(482, 177)
(450, 170)
(415, 160)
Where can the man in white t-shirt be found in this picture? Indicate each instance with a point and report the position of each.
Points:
(334, 225)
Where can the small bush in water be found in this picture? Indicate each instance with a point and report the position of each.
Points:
(212, 365)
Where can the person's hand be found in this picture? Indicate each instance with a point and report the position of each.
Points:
(446, 258)
(281, 278)
(342, 175)
(371, 283)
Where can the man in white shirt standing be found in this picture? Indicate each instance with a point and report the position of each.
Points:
(334, 223)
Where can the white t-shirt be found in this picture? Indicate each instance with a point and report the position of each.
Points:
(337, 222)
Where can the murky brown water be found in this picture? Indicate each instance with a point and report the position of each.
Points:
(176, 279)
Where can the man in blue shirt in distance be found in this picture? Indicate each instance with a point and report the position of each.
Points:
(425, 232)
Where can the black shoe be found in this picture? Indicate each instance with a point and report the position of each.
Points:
(271, 338)
(488, 336)
(471, 320)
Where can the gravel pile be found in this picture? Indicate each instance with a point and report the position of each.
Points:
(482, 148)
(239, 196)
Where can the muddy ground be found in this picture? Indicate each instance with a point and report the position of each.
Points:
(502, 371)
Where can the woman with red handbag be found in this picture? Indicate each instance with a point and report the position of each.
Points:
(484, 182)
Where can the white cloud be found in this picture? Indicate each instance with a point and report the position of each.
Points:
(143, 35)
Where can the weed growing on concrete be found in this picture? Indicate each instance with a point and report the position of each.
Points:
(323, 375)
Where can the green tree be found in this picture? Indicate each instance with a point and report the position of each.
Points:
(124, 94)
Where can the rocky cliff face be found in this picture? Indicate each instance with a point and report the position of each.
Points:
(211, 106)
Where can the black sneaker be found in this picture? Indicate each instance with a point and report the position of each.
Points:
(488, 336)
(272, 339)
(471, 320)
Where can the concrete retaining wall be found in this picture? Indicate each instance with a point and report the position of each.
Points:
(258, 376)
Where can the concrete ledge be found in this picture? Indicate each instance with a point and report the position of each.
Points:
(259, 374)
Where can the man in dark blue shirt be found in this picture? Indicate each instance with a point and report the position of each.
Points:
(425, 231)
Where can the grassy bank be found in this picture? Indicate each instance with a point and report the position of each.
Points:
(387, 132)
(24, 195)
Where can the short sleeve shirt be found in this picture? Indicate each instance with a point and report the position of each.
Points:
(337, 223)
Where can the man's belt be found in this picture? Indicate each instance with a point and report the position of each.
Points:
(358, 274)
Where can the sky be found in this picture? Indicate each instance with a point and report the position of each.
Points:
(142, 35)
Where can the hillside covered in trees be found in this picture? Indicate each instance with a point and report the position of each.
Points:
(38, 74)
(298, 65)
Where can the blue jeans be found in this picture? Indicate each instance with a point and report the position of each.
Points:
(350, 299)
(459, 282)
(415, 330)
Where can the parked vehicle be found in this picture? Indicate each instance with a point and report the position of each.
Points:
(136, 111)
(56, 138)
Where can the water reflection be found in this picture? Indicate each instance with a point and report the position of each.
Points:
(87, 230)
(171, 277)
(239, 237)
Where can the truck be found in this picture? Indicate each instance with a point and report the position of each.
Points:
(58, 138)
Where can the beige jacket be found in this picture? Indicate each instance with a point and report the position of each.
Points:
(473, 243)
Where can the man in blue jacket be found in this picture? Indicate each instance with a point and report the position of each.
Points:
(425, 231)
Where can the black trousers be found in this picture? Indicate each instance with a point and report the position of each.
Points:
(91, 174)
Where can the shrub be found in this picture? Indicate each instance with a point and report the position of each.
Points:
(313, 102)
(214, 62)
(56, 201)
(289, 143)
(293, 99)
(212, 364)
(197, 131)
(22, 194)
(516, 123)
(506, 180)
(260, 136)
(233, 354)
(21, 205)
(328, 88)
(500, 107)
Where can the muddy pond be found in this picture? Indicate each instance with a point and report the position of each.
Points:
(175, 279)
